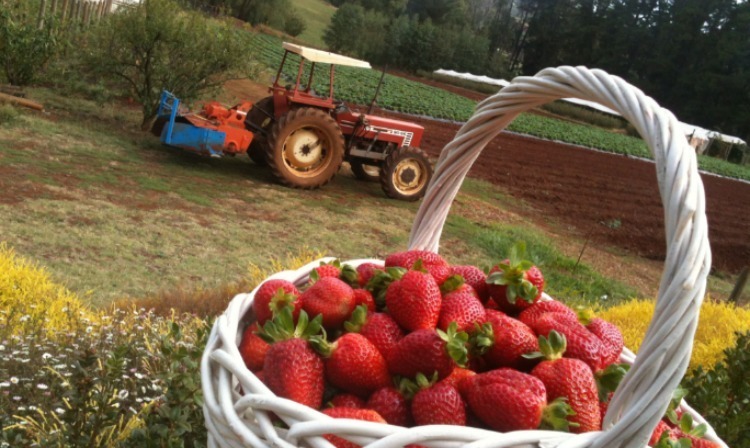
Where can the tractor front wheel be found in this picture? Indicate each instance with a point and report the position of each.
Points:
(305, 148)
(405, 174)
(364, 171)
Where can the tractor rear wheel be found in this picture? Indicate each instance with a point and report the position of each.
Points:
(405, 174)
(305, 148)
(260, 116)
(365, 171)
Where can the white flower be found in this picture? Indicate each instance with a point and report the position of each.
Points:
(2, 348)
(123, 394)
(16, 398)
(5, 384)
(42, 386)
(14, 380)
(60, 411)
(25, 318)
(89, 329)
(46, 356)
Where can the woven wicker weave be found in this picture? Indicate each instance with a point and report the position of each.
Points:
(237, 404)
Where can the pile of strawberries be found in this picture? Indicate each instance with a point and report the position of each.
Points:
(418, 341)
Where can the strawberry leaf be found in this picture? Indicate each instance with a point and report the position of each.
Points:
(609, 379)
(452, 283)
(314, 276)
(528, 291)
(555, 416)
(350, 276)
(455, 344)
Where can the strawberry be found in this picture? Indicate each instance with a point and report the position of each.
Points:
(502, 341)
(427, 351)
(437, 404)
(458, 378)
(331, 298)
(272, 296)
(474, 277)
(367, 415)
(430, 261)
(414, 301)
(570, 379)
(392, 405)
(507, 400)
(656, 435)
(347, 401)
(332, 269)
(515, 284)
(461, 306)
(581, 344)
(364, 297)
(291, 368)
(608, 333)
(253, 348)
(366, 271)
(353, 364)
(685, 427)
(535, 311)
(378, 328)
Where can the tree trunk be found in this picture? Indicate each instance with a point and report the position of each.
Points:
(42, 11)
(21, 102)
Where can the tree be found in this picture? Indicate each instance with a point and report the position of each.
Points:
(24, 48)
(343, 31)
(294, 25)
(155, 45)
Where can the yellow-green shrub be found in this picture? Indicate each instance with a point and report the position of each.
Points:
(717, 327)
(30, 301)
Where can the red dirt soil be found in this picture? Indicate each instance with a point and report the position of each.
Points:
(612, 198)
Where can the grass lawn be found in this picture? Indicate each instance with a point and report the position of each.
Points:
(317, 15)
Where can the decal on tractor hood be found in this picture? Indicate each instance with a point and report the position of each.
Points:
(406, 135)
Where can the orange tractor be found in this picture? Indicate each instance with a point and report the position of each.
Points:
(304, 136)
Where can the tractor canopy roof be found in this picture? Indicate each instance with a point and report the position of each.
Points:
(324, 57)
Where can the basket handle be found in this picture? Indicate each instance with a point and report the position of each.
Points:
(663, 358)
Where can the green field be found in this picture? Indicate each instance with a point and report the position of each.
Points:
(357, 86)
(316, 14)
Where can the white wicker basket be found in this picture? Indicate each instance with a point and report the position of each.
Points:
(237, 419)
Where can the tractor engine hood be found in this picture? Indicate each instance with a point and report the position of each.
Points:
(403, 133)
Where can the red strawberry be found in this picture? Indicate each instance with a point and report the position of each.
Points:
(608, 333)
(253, 348)
(347, 401)
(502, 341)
(581, 343)
(331, 298)
(364, 297)
(325, 270)
(272, 296)
(378, 328)
(570, 379)
(292, 369)
(392, 405)
(366, 271)
(414, 301)
(661, 427)
(430, 261)
(437, 404)
(429, 351)
(353, 364)
(474, 277)
(367, 415)
(535, 311)
(515, 284)
(458, 379)
(463, 307)
(507, 400)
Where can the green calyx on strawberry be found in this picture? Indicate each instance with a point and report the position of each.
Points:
(512, 275)
(666, 442)
(357, 320)
(455, 344)
(282, 327)
(555, 416)
(550, 348)
(482, 339)
(452, 283)
(281, 300)
(607, 380)
(350, 275)
(379, 283)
